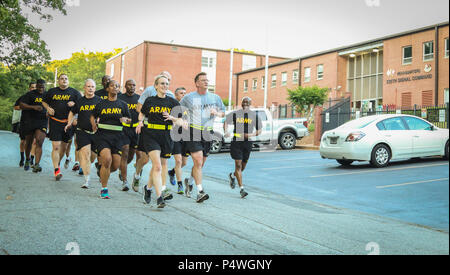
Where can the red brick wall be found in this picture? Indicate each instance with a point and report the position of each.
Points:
(443, 81)
(393, 54)
(182, 62)
(277, 95)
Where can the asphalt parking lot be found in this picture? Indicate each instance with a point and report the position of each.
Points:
(413, 191)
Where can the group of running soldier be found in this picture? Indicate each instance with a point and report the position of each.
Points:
(113, 127)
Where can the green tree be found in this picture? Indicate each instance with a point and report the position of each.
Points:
(20, 42)
(82, 66)
(306, 99)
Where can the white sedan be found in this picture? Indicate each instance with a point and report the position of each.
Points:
(381, 138)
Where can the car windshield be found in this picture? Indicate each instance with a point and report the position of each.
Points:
(358, 123)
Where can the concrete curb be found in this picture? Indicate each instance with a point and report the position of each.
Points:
(307, 147)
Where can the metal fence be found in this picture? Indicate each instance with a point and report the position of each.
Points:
(437, 115)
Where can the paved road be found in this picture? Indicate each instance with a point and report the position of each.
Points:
(41, 216)
(414, 191)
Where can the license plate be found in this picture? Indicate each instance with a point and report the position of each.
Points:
(333, 140)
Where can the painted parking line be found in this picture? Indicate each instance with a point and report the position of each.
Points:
(411, 183)
(374, 170)
(303, 166)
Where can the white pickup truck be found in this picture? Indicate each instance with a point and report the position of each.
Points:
(284, 132)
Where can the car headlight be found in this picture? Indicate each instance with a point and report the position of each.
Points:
(355, 136)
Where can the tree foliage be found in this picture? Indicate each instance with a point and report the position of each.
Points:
(20, 43)
(306, 99)
(82, 66)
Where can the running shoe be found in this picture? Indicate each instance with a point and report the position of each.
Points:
(104, 194)
(37, 168)
(187, 189)
(135, 184)
(125, 186)
(26, 167)
(172, 177)
(76, 167)
(81, 172)
(58, 174)
(180, 188)
(202, 196)
(85, 185)
(160, 202)
(167, 195)
(232, 181)
(66, 163)
(147, 195)
(243, 193)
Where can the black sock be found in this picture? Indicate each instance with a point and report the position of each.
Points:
(172, 172)
(180, 183)
(22, 156)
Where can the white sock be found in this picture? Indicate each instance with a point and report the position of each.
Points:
(137, 176)
(163, 188)
(242, 187)
(191, 180)
(199, 188)
(149, 189)
(87, 178)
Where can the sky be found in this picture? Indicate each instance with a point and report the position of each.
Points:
(284, 28)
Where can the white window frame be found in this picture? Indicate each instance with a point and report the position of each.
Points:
(429, 56)
(319, 73)
(406, 60)
(446, 53)
(295, 76)
(245, 85)
(284, 78)
(273, 81)
(307, 74)
(446, 95)
(254, 84)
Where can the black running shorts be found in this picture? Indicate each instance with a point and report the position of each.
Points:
(57, 133)
(83, 139)
(179, 148)
(110, 140)
(151, 140)
(29, 127)
(240, 150)
(130, 137)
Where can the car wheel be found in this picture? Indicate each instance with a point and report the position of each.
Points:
(381, 155)
(216, 146)
(345, 162)
(446, 151)
(287, 141)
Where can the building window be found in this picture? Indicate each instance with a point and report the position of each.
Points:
(263, 82)
(307, 74)
(283, 79)
(295, 76)
(274, 81)
(428, 51)
(320, 72)
(254, 84)
(407, 55)
(208, 62)
(245, 85)
(445, 96)
(446, 48)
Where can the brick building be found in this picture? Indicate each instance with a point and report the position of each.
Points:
(146, 60)
(399, 70)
